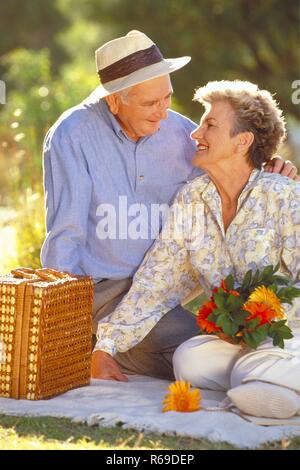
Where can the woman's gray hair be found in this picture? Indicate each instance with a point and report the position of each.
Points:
(256, 111)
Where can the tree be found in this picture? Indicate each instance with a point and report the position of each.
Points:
(31, 24)
(227, 39)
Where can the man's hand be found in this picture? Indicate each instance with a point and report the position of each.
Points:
(105, 367)
(284, 167)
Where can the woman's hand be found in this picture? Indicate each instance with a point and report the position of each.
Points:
(105, 367)
(284, 167)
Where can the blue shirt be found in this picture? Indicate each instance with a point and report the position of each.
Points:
(100, 188)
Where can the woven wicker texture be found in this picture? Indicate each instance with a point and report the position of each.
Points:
(45, 333)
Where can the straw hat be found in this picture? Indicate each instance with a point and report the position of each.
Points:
(129, 60)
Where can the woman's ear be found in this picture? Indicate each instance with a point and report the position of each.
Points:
(245, 140)
(113, 103)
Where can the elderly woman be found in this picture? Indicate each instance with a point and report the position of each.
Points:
(234, 218)
(251, 219)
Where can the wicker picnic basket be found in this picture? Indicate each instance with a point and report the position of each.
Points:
(45, 332)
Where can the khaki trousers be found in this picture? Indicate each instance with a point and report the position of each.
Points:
(153, 355)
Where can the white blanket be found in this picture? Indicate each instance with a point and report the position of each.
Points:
(138, 404)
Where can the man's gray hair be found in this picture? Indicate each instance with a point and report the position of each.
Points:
(124, 94)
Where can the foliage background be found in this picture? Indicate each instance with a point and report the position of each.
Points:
(47, 62)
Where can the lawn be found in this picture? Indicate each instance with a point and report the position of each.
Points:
(18, 433)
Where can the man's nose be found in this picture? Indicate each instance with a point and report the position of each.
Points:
(162, 110)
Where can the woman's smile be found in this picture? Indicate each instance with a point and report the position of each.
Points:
(201, 147)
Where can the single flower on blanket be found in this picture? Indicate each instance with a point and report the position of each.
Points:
(181, 398)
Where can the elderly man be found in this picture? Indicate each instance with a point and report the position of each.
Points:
(111, 164)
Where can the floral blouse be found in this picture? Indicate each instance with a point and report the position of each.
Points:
(193, 248)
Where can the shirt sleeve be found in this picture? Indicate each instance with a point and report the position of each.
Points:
(290, 232)
(67, 197)
(165, 277)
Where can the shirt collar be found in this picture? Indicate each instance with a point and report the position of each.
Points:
(254, 177)
(209, 188)
(110, 118)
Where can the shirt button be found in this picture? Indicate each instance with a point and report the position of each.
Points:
(141, 177)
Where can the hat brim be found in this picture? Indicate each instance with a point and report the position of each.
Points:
(159, 69)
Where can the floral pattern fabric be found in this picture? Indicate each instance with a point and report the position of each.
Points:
(194, 248)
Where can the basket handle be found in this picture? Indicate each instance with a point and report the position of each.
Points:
(44, 274)
(24, 273)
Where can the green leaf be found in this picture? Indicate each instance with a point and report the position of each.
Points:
(229, 282)
(253, 323)
(286, 335)
(222, 320)
(248, 338)
(234, 329)
(233, 302)
(281, 279)
(280, 292)
(264, 327)
(230, 328)
(219, 299)
(246, 280)
(226, 327)
(285, 328)
(262, 331)
(275, 325)
(277, 341)
(276, 268)
(285, 332)
(256, 277)
(259, 335)
(240, 317)
(288, 294)
(295, 291)
(220, 311)
(268, 271)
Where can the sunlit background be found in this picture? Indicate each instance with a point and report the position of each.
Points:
(47, 64)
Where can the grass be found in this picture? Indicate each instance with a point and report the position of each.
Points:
(19, 433)
(61, 433)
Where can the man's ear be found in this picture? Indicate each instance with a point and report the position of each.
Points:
(113, 103)
(245, 140)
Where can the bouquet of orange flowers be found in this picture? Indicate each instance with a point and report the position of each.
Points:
(248, 314)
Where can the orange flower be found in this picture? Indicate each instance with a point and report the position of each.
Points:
(234, 292)
(260, 310)
(222, 285)
(268, 297)
(182, 398)
(202, 321)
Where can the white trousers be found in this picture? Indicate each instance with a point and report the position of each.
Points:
(210, 363)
